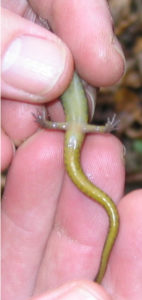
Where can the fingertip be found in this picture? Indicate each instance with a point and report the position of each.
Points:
(105, 65)
(36, 65)
(81, 290)
(18, 121)
(134, 196)
(98, 55)
(131, 209)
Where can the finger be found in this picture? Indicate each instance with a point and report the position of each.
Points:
(77, 239)
(81, 290)
(86, 27)
(7, 151)
(18, 120)
(20, 9)
(29, 204)
(123, 277)
(36, 65)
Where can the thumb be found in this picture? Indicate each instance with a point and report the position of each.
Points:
(81, 290)
(36, 65)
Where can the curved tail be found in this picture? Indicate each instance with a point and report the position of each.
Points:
(75, 172)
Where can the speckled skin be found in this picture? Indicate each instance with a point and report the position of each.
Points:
(76, 112)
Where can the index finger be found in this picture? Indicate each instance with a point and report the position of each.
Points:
(86, 27)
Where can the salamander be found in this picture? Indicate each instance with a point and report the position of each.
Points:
(75, 106)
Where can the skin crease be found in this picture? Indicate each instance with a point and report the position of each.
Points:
(56, 211)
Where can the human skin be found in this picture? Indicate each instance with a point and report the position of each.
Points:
(52, 233)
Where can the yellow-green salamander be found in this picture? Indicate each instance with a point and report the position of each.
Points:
(75, 106)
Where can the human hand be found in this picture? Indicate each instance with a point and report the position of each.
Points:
(49, 226)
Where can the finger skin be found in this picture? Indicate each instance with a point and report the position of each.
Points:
(18, 120)
(25, 73)
(86, 27)
(81, 290)
(29, 205)
(38, 201)
(7, 151)
(81, 224)
(14, 220)
(123, 277)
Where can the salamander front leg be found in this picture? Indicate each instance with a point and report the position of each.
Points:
(43, 122)
(112, 124)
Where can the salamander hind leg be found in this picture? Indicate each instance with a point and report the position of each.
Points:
(44, 122)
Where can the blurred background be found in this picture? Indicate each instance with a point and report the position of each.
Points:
(125, 98)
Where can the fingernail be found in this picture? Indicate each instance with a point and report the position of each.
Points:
(80, 293)
(119, 50)
(33, 65)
